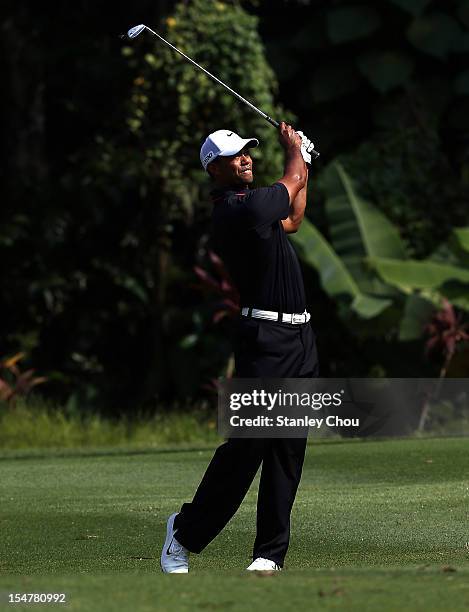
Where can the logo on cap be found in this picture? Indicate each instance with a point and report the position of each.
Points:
(208, 156)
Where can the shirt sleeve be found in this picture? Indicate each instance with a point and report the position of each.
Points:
(265, 206)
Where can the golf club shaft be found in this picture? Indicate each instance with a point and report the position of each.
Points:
(214, 78)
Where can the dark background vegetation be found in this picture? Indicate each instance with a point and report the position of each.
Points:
(104, 206)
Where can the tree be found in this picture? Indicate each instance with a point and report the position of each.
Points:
(147, 179)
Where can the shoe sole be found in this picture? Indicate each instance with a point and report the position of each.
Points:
(167, 544)
(276, 568)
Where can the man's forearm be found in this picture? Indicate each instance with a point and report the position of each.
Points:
(297, 210)
(295, 167)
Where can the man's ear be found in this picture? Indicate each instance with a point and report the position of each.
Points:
(213, 169)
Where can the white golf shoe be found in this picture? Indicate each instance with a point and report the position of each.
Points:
(263, 565)
(174, 557)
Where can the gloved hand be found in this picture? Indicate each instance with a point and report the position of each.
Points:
(306, 147)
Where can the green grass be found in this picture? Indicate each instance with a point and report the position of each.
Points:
(33, 423)
(378, 525)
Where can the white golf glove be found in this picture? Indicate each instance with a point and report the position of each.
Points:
(306, 147)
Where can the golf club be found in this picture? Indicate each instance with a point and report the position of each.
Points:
(137, 30)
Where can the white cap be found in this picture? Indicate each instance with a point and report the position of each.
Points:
(223, 143)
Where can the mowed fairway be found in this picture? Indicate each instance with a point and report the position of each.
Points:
(378, 525)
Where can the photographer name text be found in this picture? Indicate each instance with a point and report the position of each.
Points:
(284, 421)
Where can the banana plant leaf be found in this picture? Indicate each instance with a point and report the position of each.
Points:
(455, 251)
(378, 236)
(457, 293)
(359, 230)
(416, 315)
(447, 253)
(412, 274)
(336, 280)
(462, 236)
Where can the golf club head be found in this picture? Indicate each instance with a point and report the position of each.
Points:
(136, 30)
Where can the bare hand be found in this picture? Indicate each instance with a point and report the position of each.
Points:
(287, 137)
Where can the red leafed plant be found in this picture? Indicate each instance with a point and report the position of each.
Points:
(221, 285)
(14, 382)
(445, 331)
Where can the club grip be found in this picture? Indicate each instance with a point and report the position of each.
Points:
(314, 154)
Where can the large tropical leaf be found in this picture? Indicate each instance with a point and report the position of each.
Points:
(446, 253)
(454, 252)
(457, 293)
(336, 280)
(412, 274)
(379, 236)
(359, 230)
(433, 280)
(462, 236)
(459, 245)
(419, 307)
(416, 315)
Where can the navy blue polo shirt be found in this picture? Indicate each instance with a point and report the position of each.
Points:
(248, 235)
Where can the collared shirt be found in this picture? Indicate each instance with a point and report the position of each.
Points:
(248, 235)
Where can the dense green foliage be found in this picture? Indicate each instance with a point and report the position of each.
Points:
(106, 300)
(368, 259)
(382, 90)
(105, 211)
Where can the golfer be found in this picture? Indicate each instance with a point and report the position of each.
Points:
(273, 339)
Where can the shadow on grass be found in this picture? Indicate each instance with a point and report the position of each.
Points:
(46, 453)
(111, 452)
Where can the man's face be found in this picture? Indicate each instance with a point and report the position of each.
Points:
(233, 170)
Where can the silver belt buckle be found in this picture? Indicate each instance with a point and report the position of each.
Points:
(298, 318)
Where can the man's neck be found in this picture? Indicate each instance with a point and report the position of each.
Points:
(231, 187)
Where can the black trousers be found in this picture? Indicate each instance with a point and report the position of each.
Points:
(262, 349)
